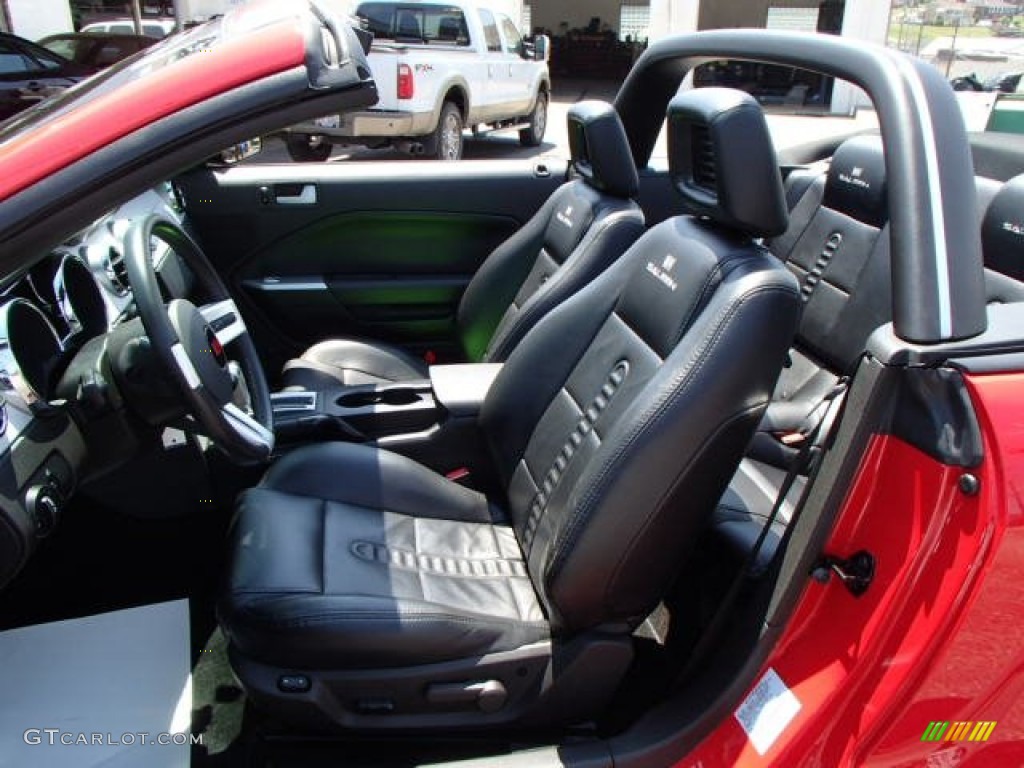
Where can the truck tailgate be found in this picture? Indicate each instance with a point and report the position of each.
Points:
(384, 61)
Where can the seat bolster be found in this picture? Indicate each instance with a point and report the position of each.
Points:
(615, 228)
(499, 279)
(351, 362)
(375, 479)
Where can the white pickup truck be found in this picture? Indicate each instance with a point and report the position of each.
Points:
(440, 68)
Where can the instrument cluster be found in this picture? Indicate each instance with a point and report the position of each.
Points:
(76, 293)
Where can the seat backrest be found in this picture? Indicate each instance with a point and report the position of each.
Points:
(841, 255)
(581, 229)
(1002, 240)
(618, 420)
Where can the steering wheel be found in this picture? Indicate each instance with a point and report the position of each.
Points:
(192, 343)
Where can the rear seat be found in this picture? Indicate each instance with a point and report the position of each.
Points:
(848, 295)
(1002, 237)
(837, 245)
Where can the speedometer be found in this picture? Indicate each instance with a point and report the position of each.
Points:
(30, 349)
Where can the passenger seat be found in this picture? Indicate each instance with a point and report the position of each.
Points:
(582, 228)
(851, 298)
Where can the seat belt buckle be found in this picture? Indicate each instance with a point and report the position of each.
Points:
(460, 475)
(791, 439)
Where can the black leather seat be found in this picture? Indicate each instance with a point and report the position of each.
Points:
(364, 590)
(582, 228)
(848, 295)
(1002, 233)
(837, 245)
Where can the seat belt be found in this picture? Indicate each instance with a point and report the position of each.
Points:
(809, 457)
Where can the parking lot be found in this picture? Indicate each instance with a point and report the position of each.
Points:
(787, 130)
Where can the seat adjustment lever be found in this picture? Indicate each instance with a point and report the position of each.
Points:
(487, 695)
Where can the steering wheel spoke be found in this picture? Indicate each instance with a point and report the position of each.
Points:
(248, 427)
(191, 341)
(225, 320)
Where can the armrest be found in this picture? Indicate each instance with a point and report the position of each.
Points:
(461, 389)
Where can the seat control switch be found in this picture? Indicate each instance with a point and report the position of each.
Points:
(293, 683)
(488, 695)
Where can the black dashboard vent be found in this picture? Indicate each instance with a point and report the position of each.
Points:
(116, 271)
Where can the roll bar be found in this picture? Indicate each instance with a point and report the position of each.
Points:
(937, 273)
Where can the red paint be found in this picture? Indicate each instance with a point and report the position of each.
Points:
(938, 636)
(33, 156)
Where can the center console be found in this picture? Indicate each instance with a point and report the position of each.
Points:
(431, 420)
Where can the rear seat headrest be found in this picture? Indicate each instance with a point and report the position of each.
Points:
(856, 184)
(722, 160)
(1002, 230)
(600, 150)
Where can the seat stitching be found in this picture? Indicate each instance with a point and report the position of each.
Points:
(585, 424)
(422, 561)
(421, 617)
(618, 316)
(681, 384)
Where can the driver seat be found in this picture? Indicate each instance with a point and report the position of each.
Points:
(366, 591)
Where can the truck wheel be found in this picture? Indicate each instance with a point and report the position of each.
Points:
(534, 135)
(302, 149)
(446, 141)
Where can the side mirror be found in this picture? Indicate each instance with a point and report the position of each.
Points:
(541, 45)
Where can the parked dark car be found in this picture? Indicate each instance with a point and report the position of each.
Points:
(1006, 82)
(95, 50)
(29, 73)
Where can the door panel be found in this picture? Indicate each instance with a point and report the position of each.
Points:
(373, 250)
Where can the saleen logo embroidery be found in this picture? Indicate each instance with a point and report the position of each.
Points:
(855, 178)
(662, 272)
(563, 216)
(959, 731)
(1017, 229)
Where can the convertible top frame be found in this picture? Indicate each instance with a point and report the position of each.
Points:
(937, 274)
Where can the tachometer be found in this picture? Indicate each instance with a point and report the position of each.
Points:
(79, 298)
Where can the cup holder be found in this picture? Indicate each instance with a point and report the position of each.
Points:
(379, 397)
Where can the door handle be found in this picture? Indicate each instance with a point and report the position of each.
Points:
(295, 194)
(34, 86)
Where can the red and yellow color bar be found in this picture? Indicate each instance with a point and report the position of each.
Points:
(970, 730)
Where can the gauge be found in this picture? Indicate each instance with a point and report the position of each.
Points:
(40, 280)
(30, 349)
(79, 299)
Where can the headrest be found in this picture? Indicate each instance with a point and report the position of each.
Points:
(856, 181)
(1002, 230)
(722, 160)
(600, 150)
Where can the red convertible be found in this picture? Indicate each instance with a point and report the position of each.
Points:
(705, 460)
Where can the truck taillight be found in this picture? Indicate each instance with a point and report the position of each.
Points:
(405, 82)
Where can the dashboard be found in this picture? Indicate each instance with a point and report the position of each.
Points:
(72, 297)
